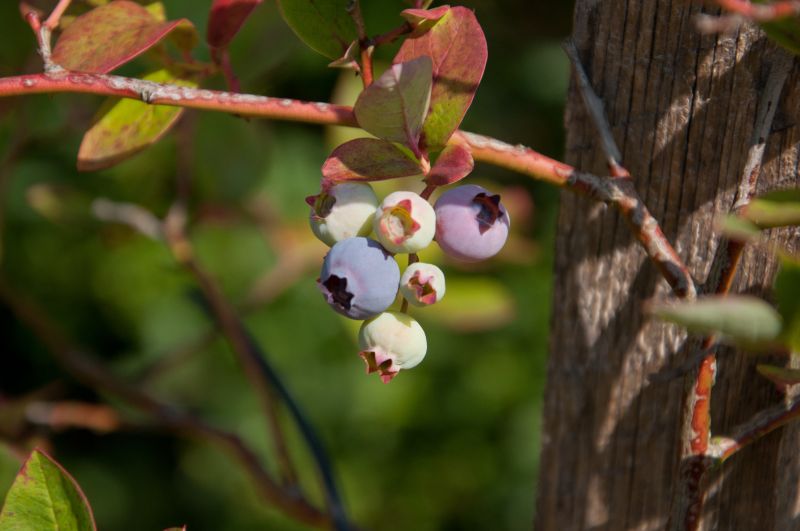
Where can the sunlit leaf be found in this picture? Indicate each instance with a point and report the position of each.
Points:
(775, 209)
(787, 294)
(779, 375)
(114, 34)
(367, 159)
(738, 228)
(457, 47)
(125, 127)
(739, 319)
(324, 25)
(424, 19)
(454, 163)
(394, 106)
(226, 19)
(44, 497)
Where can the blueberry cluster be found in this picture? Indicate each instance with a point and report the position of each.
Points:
(360, 278)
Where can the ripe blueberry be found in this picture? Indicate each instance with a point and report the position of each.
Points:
(422, 284)
(471, 223)
(359, 278)
(405, 222)
(344, 211)
(390, 342)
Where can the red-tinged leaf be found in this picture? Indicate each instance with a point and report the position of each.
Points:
(454, 163)
(226, 19)
(176, 529)
(349, 59)
(114, 34)
(126, 127)
(367, 159)
(780, 376)
(44, 497)
(394, 106)
(457, 47)
(415, 16)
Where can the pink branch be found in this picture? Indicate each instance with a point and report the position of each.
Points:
(617, 192)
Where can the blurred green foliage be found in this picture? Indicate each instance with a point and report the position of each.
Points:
(452, 444)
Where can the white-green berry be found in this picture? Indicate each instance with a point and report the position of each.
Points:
(405, 223)
(344, 211)
(422, 284)
(390, 342)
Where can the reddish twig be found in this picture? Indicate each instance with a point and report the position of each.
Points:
(695, 463)
(766, 12)
(623, 195)
(365, 47)
(55, 16)
(222, 58)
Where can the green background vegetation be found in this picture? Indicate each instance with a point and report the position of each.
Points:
(452, 444)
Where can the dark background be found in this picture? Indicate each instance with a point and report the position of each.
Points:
(452, 444)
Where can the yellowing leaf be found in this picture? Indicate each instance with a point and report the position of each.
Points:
(126, 127)
(45, 498)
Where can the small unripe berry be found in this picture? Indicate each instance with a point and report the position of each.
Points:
(471, 223)
(390, 342)
(422, 284)
(359, 278)
(405, 222)
(344, 211)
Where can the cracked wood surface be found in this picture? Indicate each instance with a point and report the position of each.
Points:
(682, 107)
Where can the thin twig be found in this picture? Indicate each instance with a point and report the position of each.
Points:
(688, 497)
(80, 365)
(261, 375)
(366, 49)
(55, 16)
(624, 196)
(595, 107)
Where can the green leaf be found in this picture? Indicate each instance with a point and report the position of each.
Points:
(457, 47)
(424, 19)
(738, 228)
(785, 32)
(324, 25)
(113, 34)
(780, 376)
(739, 319)
(367, 159)
(125, 127)
(787, 294)
(394, 106)
(780, 208)
(45, 497)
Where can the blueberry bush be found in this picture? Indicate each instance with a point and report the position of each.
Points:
(142, 295)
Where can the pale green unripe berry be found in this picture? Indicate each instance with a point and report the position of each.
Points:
(422, 284)
(344, 211)
(405, 223)
(390, 342)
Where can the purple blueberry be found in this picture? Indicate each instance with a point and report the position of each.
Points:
(359, 278)
(471, 223)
